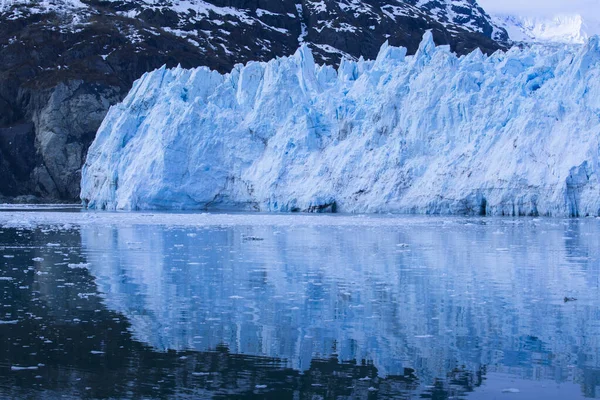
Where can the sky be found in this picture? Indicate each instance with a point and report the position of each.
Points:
(591, 8)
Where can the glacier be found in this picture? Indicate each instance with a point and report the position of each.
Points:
(514, 133)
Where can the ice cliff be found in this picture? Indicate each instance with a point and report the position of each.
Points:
(515, 133)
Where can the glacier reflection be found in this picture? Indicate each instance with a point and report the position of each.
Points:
(457, 293)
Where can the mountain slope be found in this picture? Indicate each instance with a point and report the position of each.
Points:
(210, 24)
(515, 133)
(569, 29)
(66, 61)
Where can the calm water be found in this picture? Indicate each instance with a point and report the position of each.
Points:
(298, 307)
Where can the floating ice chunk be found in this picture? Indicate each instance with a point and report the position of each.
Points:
(17, 368)
(78, 266)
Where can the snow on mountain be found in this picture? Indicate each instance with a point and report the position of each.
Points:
(514, 133)
(39, 6)
(213, 25)
(466, 14)
(573, 29)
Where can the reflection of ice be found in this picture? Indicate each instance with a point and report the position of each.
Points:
(429, 297)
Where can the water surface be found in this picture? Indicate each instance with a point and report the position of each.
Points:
(258, 306)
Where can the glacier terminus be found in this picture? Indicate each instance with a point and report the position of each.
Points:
(513, 133)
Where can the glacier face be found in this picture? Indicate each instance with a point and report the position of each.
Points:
(516, 133)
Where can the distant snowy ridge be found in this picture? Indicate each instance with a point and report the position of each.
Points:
(451, 13)
(515, 133)
(259, 30)
(571, 29)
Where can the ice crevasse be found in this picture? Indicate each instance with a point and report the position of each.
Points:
(514, 133)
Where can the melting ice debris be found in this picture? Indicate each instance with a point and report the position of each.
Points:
(79, 266)
(17, 368)
(513, 133)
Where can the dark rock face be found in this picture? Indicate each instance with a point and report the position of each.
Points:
(64, 62)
